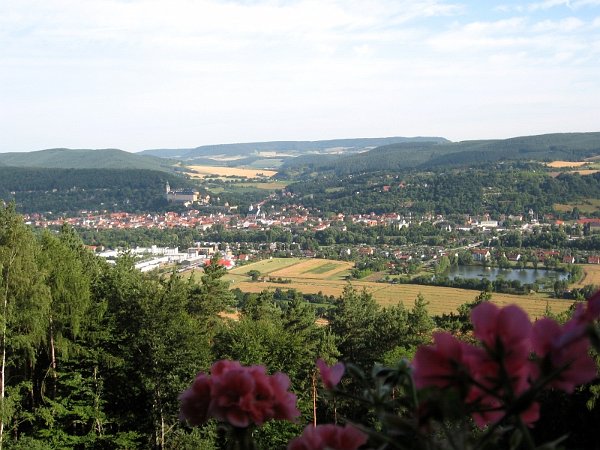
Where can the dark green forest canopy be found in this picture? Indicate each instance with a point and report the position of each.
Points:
(428, 155)
(281, 146)
(64, 158)
(70, 190)
(496, 189)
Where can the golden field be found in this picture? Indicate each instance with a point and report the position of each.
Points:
(204, 171)
(591, 275)
(563, 164)
(582, 172)
(305, 278)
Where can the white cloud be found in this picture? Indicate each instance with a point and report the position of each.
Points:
(547, 4)
(564, 25)
(149, 73)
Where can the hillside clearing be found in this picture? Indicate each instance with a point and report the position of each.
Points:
(204, 171)
(563, 164)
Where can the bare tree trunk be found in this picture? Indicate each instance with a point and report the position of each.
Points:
(53, 358)
(99, 428)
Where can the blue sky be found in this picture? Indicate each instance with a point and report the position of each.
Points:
(139, 74)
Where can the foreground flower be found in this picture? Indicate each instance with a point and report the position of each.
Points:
(564, 352)
(328, 437)
(442, 365)
(330, 376)
(195, 401)
(239, 396)
(504, 332)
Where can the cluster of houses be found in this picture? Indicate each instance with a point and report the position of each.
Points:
(297, 218)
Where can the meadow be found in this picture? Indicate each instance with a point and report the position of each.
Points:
(586, 206)
(311, 276)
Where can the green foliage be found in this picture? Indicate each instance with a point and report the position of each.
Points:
(62, 158)
(71, 190)
(432, 154)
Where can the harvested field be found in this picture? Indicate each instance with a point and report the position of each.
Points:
(306, 278)
(204, 171)
(591, 275)
(562, 164)
(582, 172)
(315, 269)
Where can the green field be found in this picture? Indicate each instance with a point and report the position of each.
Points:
(266, 266)
(266, 185)
(327, 267)
(586, 206)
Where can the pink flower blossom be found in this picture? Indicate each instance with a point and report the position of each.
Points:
(238, 395)
(328, 437)
(505, 332)
(563, 349)
(443, 364)
(593, 307)
(330, 376)
(195, 401)
(501, 369)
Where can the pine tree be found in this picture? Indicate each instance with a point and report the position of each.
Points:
(24, 309)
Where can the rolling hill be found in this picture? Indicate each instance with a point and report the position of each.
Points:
(62, 158)
(427, 155)
(289, 148)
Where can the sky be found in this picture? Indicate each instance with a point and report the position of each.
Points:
(143, 74)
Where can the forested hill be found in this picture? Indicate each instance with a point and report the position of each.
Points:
(71, 190)
(84, 159)
(296, 147)
(426, 155)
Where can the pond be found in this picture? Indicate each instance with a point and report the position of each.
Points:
(525, 276)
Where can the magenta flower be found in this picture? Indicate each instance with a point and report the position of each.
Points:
(563, 349)
(239, 396)
(328, 437)
(505, 332)
(195, 401)
(330, 376)
(443, 364)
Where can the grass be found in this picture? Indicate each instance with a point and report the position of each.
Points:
(266, 266)
(269, 186)
(309, 277)
(586, 206)
(327, 267)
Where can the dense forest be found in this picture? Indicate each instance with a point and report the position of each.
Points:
(64, 158)
(497, 189)
(71, 190)
(95, 356)
(282, 147)
(429, 155)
